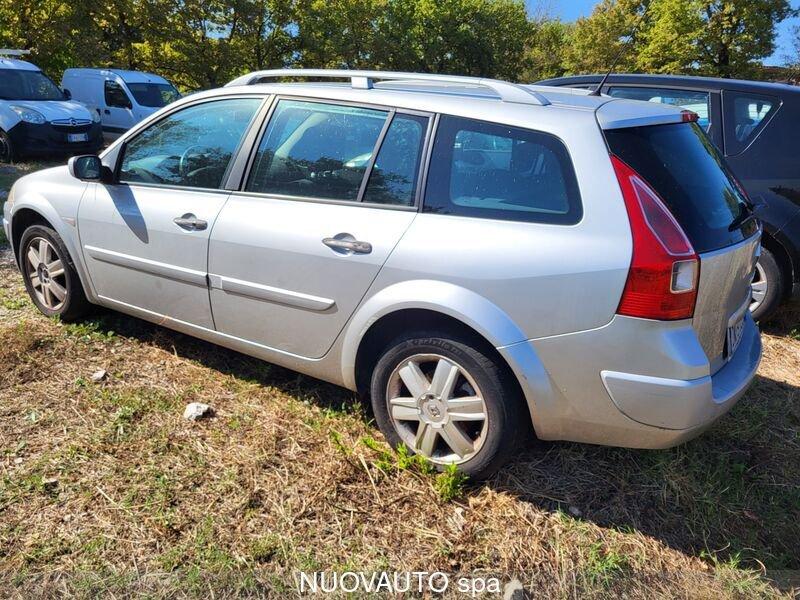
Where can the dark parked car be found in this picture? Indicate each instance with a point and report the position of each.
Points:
(756, 126)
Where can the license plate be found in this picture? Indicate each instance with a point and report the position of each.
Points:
(77, 137)
(734, 338)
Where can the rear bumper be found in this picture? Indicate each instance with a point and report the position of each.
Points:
(637, 383)
(686, 406)
(47, 139)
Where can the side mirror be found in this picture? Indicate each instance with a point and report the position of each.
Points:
(67, 94)
(87, 168)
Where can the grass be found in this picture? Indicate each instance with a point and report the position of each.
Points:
(105, 489)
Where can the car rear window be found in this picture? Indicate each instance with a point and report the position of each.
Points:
(683, 166)
(493, 171)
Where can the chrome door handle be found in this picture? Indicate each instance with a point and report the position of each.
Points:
(345, 244)
(190, 222)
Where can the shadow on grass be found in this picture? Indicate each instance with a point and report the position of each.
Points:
(732, 495)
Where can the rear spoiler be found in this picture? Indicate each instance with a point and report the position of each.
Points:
(620, 113)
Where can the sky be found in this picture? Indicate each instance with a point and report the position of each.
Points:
(569, 10)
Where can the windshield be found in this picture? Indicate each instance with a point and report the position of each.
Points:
(683, 166)
(154, 95)
(27, 85)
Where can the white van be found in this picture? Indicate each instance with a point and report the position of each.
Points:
(121, 98)
(37, 118)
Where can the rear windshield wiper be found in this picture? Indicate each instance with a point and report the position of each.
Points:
(744, 216)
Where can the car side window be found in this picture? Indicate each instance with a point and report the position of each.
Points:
(191, 147)
(316, 150)
(393, 179)
(115, 96)
(745, 116)
(493, 171)
(695, 101)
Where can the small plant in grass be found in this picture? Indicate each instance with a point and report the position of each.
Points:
(12, 303)
(400, 460)
(86, 331)
(338, 442)
(3, 238)
(603, 565)
(265, 548)
(450, 483)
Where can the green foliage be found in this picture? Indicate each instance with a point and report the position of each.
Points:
(722, 38)
(603, 564)
(450, 483)
(200, 44)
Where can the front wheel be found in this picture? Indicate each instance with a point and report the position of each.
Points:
(50, 276)
(449, 401)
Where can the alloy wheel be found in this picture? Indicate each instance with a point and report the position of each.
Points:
(437, 408)
(759, 287)
(45, 270)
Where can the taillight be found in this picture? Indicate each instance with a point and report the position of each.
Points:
(662, 280)
(689, 116)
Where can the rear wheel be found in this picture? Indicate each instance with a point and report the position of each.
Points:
(768, 286)
(7, 153)
(448, 401)
(50, 276)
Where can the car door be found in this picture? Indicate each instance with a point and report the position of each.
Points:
(145, 237)
(117, 114)
(331, 190)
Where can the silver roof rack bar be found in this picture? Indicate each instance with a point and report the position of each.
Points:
(9, 52)
(364, 80)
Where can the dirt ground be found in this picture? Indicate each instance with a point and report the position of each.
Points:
(104, 488)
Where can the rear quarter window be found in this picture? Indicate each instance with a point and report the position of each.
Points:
(745, 117)
(493, 171)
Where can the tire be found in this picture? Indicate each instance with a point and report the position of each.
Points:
(56, 275)
(425, 413)
(768, 287)
(7, 152)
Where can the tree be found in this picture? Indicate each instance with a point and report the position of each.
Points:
(605, 36)
(737, 33)
(469, 37)
(722, 38)
(544, 50)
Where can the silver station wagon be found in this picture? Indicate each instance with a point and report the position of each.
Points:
(482, 259)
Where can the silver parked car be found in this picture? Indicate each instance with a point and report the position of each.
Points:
(476, 256)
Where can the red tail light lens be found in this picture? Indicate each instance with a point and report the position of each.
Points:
(662, 280)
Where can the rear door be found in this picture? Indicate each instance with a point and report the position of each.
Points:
(682, 165)
(145, 238)
(331, 190)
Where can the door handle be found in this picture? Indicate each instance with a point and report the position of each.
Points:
(344, 243)
(190, 222)
(108, 112)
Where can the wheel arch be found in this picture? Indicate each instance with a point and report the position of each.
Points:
(25, 216)
(449, 308)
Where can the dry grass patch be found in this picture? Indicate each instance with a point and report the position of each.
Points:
(104, 488)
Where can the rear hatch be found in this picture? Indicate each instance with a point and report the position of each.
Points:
(683, 167)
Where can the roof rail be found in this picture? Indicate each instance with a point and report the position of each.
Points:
(364, 80)
(9, 52)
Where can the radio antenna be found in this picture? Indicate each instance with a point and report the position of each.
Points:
(596, 91)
